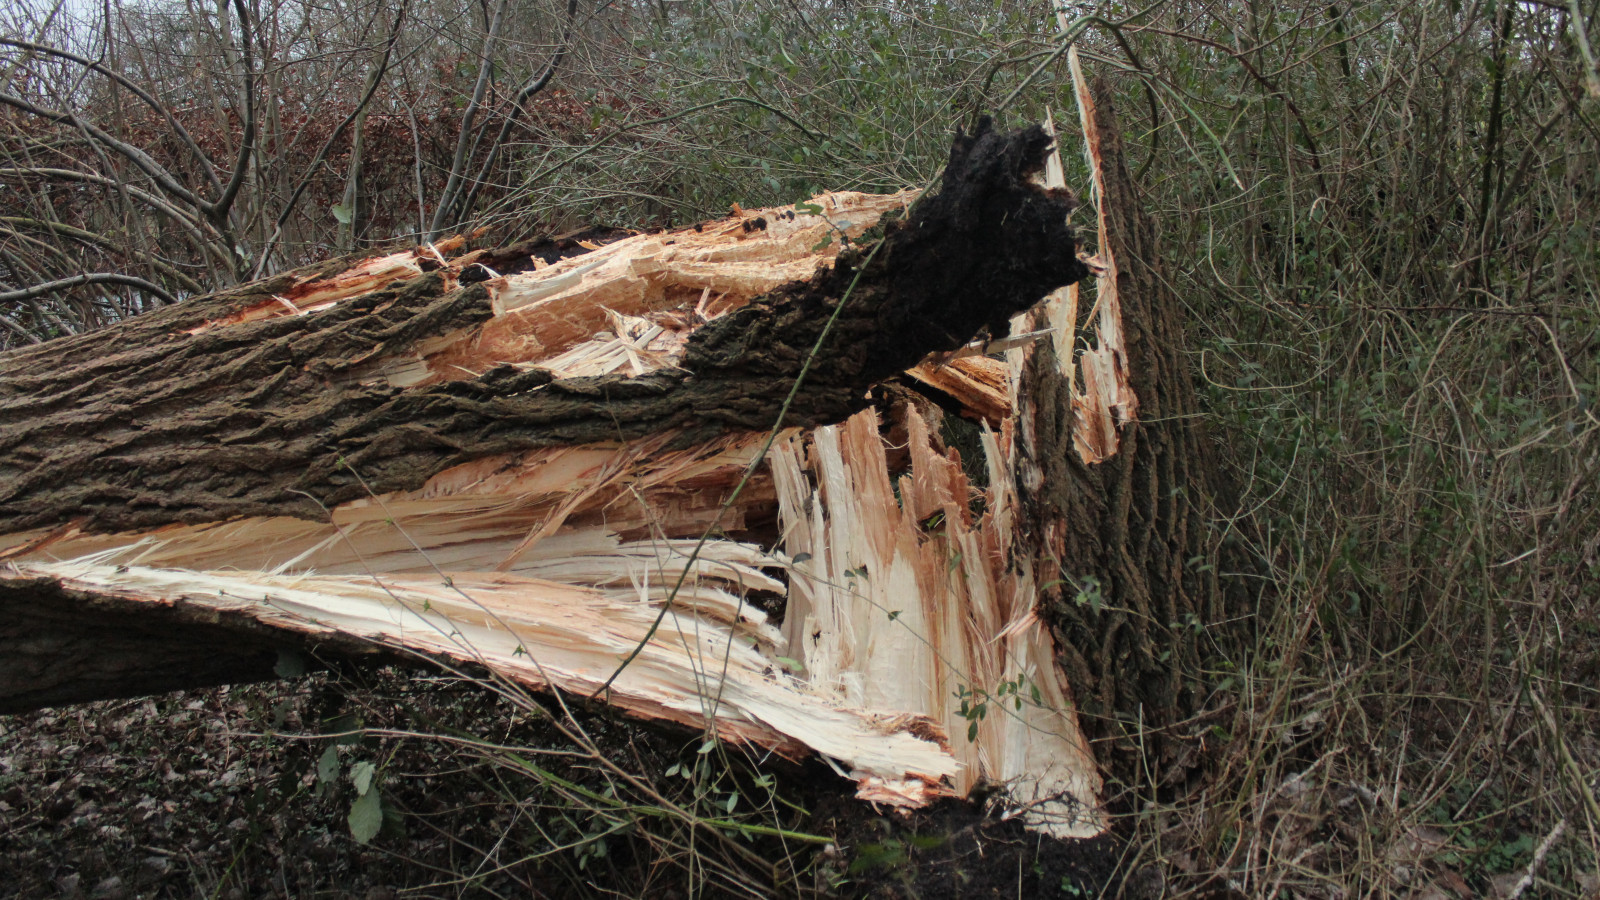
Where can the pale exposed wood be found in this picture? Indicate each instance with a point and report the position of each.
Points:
(1107, 400)
(900, 598)
(542, 315)
(635, 344)
(365, 277)
(979, 381)
(548, 634)
(417, 572)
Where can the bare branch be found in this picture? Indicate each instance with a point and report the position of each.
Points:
(131, 87)
(374, 80)
(184, 219)
(139, 158)
(533, 87)
(51, 287)
(458, 164)
(99, 240)
(219, 210)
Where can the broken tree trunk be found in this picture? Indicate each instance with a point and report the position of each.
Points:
(1122, 522)
(705, 477)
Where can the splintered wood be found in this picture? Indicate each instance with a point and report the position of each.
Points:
(1106, 400)
(667, 281)
(901, 598)
(899, 612)
(908, 649)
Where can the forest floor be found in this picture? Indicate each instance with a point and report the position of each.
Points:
(246, 793)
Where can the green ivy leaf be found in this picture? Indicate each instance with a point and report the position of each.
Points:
(361, 773)
(328, 765)
(366, 817)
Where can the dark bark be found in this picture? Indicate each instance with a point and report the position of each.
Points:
(66, 646)
(143, 425)
(1139, 607)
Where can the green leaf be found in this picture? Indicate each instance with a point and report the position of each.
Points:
(791, 665)
(733, 800)
(823, 244)
(328, 765)
(361, 773)
(366, 817)
(342, 213)
(894, 614)
(871, 856)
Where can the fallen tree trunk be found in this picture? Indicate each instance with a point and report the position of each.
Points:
(706, 477)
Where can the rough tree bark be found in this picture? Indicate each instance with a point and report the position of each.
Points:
(594, 473)
(1129, 543)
